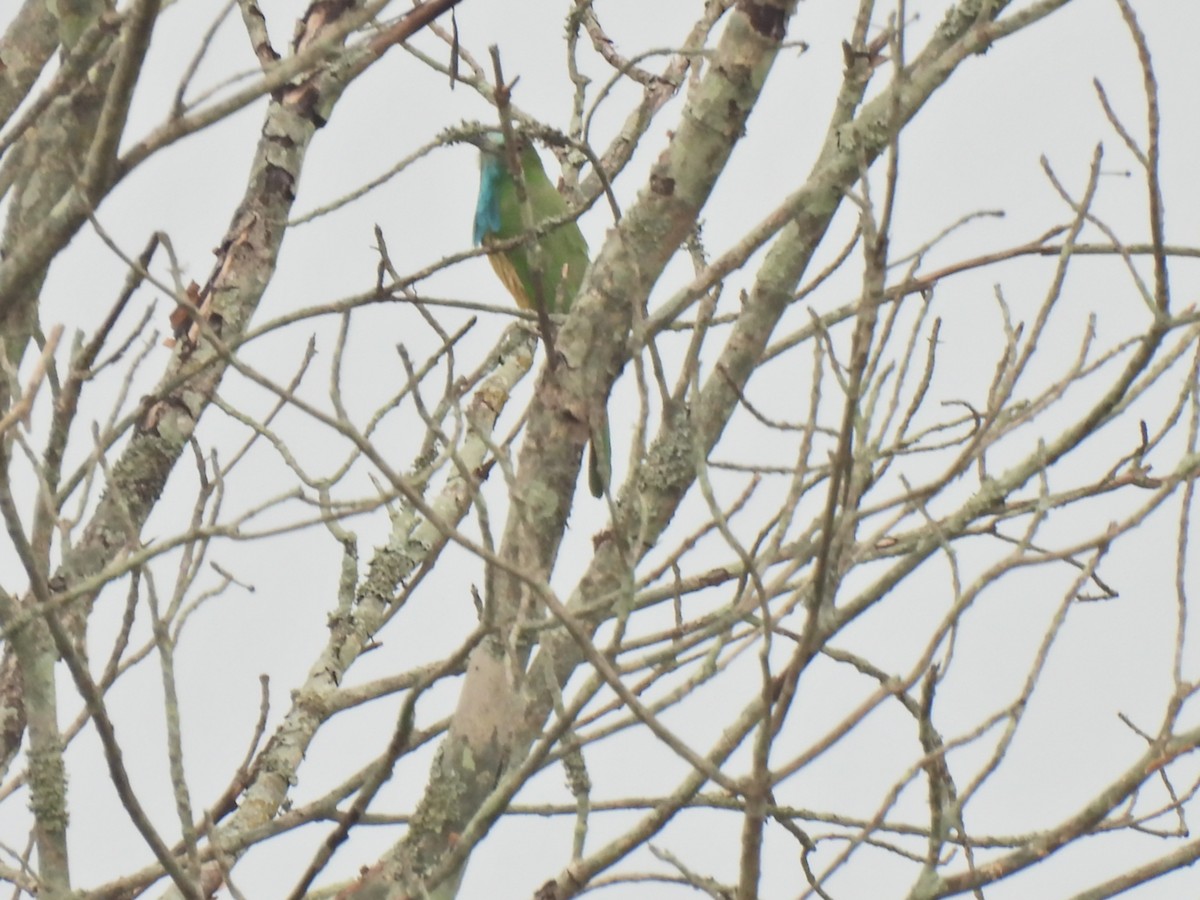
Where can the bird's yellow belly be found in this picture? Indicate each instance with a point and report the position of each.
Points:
(507, 274)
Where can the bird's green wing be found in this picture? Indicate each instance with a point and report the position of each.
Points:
(564, 252)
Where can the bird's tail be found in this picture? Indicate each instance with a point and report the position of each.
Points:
(600, 464)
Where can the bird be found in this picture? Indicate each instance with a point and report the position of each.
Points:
(563, 254)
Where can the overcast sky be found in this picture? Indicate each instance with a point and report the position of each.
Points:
(976, 147)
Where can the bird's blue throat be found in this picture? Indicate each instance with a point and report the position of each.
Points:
(487, 208)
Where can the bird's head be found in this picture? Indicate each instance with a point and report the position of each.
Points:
(493, 147)
(488, 141)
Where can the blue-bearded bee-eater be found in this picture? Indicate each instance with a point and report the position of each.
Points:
(563, 253)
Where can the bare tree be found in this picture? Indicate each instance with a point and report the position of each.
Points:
(848, 592)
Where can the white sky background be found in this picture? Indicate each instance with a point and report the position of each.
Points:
(975, 147)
